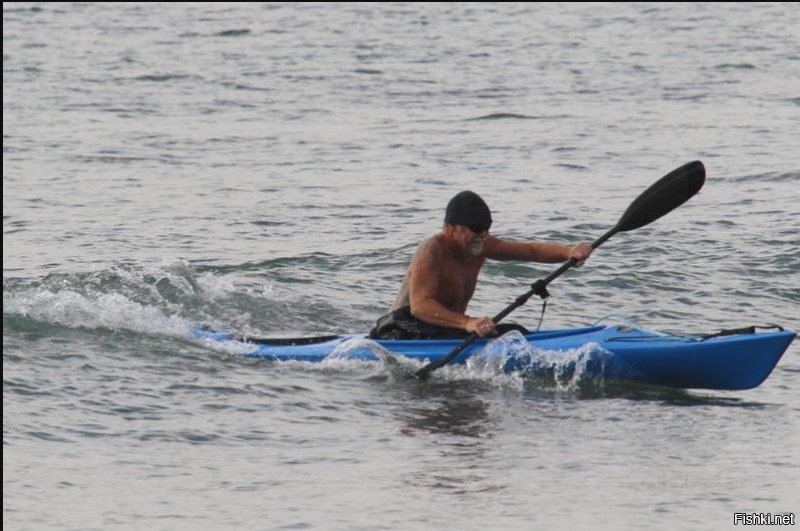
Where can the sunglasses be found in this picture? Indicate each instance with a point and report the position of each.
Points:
(477, 229)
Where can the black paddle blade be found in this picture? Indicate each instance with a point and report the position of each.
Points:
(666, 194)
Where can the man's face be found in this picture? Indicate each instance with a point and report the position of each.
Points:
(473, 241)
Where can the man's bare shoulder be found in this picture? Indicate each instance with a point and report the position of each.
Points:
(430, 248)
(493, 244)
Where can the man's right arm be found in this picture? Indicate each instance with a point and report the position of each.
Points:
(423, 283)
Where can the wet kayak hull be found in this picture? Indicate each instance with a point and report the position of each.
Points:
(741, 361)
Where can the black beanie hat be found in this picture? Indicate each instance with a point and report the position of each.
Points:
(468, 209)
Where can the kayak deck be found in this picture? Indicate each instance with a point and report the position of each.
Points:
(741, 361)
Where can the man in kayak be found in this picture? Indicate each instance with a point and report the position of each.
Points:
(441, 279)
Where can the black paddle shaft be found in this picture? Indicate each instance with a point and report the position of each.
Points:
(660, 198)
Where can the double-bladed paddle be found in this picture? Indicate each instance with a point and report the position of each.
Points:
(661, 197)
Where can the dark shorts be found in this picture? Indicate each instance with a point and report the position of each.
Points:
(400, 324)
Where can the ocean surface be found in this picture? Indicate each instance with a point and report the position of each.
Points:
(270, 169)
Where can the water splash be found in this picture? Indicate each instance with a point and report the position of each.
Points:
(111, 311)
(168, 297)
(233, 346)
(150, 298)
(565, 369)
(365, 351)
(508, 362)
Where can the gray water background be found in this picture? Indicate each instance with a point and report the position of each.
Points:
(270, 168)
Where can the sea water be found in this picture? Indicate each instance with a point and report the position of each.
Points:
(270, 168)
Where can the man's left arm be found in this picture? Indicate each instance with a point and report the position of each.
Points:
(500, 249)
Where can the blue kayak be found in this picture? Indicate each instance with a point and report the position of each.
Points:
(736, 361)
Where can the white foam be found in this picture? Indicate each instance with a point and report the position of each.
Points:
(233, 347)
(567, 368)
(111, 311)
